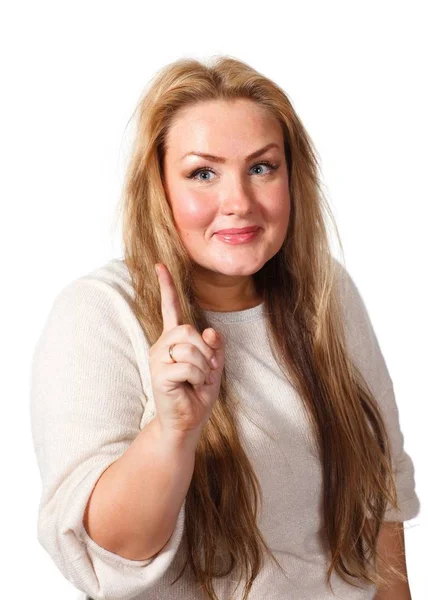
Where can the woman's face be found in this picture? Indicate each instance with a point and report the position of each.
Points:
(232, 191)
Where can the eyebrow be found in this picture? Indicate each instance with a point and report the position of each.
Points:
(221, 159)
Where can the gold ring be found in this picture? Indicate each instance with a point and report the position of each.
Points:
(170, 352)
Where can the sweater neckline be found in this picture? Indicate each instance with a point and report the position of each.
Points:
(237, 316)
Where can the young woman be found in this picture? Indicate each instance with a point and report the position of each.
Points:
(212, 413)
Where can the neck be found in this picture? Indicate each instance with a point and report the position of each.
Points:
(222, 293)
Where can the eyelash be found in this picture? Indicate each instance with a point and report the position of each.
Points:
(269, 164)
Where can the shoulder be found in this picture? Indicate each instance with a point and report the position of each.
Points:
(105, 288)
(352, 304)
(96, 305)
(112, 278)
(360, 334)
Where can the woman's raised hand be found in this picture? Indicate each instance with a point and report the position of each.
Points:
(184, 391)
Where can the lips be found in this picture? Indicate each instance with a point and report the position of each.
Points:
(238, 231)
(236, 239)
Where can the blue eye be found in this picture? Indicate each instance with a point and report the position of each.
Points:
(198, 171)
(271, 166)
(194, 174)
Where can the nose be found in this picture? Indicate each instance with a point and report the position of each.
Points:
(236, 197)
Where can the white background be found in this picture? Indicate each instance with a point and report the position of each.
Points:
(72, 73)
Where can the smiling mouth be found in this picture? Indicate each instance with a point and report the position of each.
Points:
(239, 230)
(237, 238)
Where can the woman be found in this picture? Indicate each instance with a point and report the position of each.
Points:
(278, 470)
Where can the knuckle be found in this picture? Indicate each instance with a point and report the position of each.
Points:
(189, 368)
(193, 351)
(188, 329)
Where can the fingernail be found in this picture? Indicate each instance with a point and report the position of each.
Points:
(214, 362)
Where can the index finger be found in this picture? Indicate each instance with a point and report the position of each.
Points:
(170, 305)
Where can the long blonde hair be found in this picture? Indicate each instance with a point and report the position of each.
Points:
(306, 335)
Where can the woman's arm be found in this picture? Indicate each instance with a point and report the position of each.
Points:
(134, 506)
(392, 549)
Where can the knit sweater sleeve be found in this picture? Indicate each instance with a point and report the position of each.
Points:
(87, 402)
(366, 354)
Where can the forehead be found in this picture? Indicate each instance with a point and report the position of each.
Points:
(222, 126)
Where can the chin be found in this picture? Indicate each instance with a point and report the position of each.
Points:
(238, 270)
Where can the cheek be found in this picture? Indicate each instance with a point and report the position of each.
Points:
(278, 208)
(191, 211)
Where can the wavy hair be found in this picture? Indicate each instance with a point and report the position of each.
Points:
(306, 334)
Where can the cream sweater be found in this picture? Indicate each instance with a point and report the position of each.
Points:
(91, 394)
